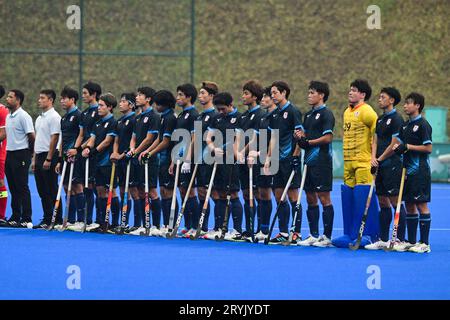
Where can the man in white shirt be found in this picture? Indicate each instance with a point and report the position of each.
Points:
(45, 157)
(19, 148)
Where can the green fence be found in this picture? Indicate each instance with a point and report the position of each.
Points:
(439, 171)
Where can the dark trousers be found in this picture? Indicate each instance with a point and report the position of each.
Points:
(16, 169)
(47, 185)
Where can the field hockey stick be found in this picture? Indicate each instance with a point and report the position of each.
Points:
(205, 204)
(297, 208)
(173, 204)
(224, 228)
(86, 186)
(58, 198)
(123, 217)
(251, 199)
(146, 201)
(397, 213)
(283, 196)
(69, 190)
(110, 193)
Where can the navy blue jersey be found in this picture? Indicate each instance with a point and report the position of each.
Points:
(185, 121)
(388, 125)
(222, 123)
(106, 126)
(317, 123)
(415, 132)
(264, 124)
(286, 119)
(166, 128)
(125, 127)
(70, 128)
(146, 122)
(89, 118)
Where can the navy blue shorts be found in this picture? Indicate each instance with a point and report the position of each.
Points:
(166, 180)
(103, 177)
(418, 187)
(203, 176)
(244, 176)
(319, 178)
(281, 178)
(227, 175)
(137, 175)
(388, 180)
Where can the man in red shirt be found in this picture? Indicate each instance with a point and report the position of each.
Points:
(3, 191)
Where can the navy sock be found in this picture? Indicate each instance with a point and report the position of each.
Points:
(72, 210)
(89, 196)
(283, 217)
(165, 206)
(156, 212)
(237, 212)
(206, 219)
(137, 212)
(219, 211)
(101, 210)
(80, 203)
(195, 212)
(127, 219)
(298, 219)
(98, 212)
(401, 230)
(425, 222)
(188, 213)
(313, 220)
(327, 219)
(115, 210)
(143, 217)
(265, 208)
(247, 213)
(258, 217)
(385, 223)
(412, 221)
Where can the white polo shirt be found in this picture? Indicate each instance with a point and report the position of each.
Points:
(47, 124)
(18, 125)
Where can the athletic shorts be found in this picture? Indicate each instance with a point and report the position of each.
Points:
(137, 177)
(103, 177)
(281, 178)
(166, 180)
(319, 178)
(388, 178)
(357, 172)
(264, 181)
(418, 187)
(121, 172)
(2, 169)
(78, 171)
(244, 176)
(203, 175)
(227, 175)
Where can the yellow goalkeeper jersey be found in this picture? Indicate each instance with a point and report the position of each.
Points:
(359, 128)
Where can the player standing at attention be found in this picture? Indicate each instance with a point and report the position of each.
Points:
(359, 127)
(390, 169)
(164, 102)
(3, 190)
(99, 147)
(125, 126)
(286, 120)
(144, 134)
(414, 142)
(316, 141)
(252, 93)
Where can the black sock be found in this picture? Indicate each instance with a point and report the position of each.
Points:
(425, 222)
(156, 212)
(80, 203)
(165, 206)
(219, 211)
(89, 195)
(236, 211)
(206, 218)
(298, 219)
(115, 209)
(265, 209)
(283, 217)
(137, 212)
(101, 210)
(188, 213)
(195, 207)
(313, 214)
(401, 229)
(72, 210)
(327, 219)
(412, 220)
(385, 223)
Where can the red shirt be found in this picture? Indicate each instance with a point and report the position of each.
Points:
(3, 113)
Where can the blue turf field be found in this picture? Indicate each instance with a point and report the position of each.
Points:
(33, 265)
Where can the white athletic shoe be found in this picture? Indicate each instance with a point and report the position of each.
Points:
(70, 226)
(308, 241)
(402, 246)
(58, 227)
(191, 232)
(155, 232)
(92, 226)
(163, 231)
(379, 245)
(260, 236)
(323, 242)
(420, 248)
(230, 235)
(138, 231)
(77, 227)
(211, 235)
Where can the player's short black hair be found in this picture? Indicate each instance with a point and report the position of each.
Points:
(2, 91)
(282, 86)
(92, 88)
(362, 86)
(255, 88)
(320, 87)
(68, 92)
(393, 93)
(417, 98)
(210, 87)
(267, 91)
(109, 99)
(51, 94)
(147, 92)
(189, 90)
(165, 98)
(19, 95)
(223, 99)
(130, 97)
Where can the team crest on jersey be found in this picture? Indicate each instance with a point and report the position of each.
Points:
(318, 116)
(388, 122)
(93, 114)
(285, 115)
(186, 116)
(415, 128)
(71, 118)
(233, 120)
(251, 118)
(127, 122)
(206, 118)
(145, 120)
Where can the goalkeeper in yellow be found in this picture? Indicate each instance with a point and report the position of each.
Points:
(359, 127)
